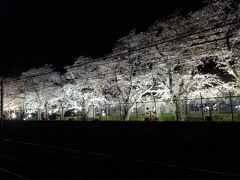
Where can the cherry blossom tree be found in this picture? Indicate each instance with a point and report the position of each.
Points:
(180, 80)
(83, 84)
(162, 63)
(13, 97)
(128, 81)
(40, 86)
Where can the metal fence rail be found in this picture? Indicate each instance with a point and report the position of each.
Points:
(226, 108)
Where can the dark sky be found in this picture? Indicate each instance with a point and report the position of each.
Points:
(37, 32)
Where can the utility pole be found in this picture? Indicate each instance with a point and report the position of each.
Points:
(231, 105)
(202, 107)
(1, 103)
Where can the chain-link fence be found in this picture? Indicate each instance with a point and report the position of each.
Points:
(212, 109)
(199, 109)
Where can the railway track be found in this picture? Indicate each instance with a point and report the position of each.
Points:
(8, 175)
(38, 161)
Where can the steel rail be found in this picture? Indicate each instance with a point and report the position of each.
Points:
(79, 154)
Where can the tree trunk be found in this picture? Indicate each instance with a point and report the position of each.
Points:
(175, 108)
(84, 114)
(127, 112)
(178, 110)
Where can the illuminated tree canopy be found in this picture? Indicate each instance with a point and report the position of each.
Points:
(164, 61)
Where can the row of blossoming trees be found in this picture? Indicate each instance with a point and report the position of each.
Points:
(169, 62)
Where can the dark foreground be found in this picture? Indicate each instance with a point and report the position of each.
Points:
(119, 150)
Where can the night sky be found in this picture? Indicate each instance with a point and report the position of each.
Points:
(34, 33)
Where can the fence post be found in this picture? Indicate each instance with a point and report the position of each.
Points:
(202, 107)
(231, 105)
(186, 108)
(62, 115)
(47, 112)
(136, 111)
(93, 112)
(155, 108)
(105, 111)
(120, 112)
(39, 114)
(100, 113)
